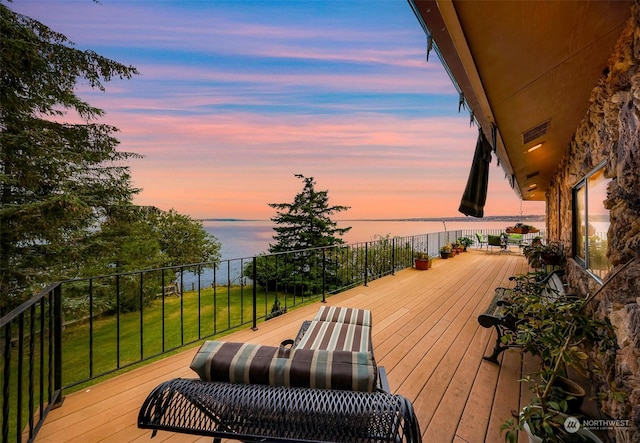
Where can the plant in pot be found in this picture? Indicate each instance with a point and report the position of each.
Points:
(422, 260)
(540, 254)
(465, 242)
(564, 334)
(521, 228)
(445, 251)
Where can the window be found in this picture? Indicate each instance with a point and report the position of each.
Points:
(591, 223)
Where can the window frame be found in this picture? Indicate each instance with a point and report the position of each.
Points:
(581, 226)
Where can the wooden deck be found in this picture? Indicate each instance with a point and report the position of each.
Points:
(425, 333)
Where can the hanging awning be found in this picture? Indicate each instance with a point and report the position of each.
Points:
(475, 194)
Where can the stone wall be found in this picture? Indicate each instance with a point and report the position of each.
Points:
(611, 131)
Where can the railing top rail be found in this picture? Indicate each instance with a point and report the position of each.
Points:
(27, 304)
(36, 298)
(215, 263)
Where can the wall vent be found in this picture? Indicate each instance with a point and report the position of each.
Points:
(533, 174)
(535, 132)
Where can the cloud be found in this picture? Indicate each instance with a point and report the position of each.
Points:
(370, 158)
(234, 98)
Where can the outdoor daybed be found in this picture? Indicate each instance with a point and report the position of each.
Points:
(322, 386)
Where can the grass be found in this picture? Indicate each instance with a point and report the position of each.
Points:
(167, 325)
(98, 349)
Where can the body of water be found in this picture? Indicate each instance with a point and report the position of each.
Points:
(243, 239)
(246, 238)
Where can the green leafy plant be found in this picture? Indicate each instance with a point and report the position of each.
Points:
(540, 254)
(563, 332)
(465, 242)
(276, 309)
(421, 255)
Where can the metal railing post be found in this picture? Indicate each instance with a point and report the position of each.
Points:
(141, 319)
(6, 385)
(118, 308)
(181, 306)
(91, 328)
(393, 256)
(30, 389)
(254, 277)
(324, 275)
(57, 344)
(366, 263)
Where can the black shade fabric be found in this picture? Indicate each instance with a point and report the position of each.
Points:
(475, 194)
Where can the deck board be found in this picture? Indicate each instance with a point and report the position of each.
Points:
(425, 334)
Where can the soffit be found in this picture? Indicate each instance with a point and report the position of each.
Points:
(522, 63)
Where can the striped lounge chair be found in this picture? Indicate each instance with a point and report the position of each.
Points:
(324, 385)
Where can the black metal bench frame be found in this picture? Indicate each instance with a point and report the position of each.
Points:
(263, 413)
(506, 325)
(503, 324)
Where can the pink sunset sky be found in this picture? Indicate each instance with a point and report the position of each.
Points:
(236, 97)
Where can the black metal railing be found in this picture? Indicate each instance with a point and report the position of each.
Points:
(32, 363)
(76, 331)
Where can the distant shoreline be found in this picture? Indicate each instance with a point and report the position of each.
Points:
(510, 218)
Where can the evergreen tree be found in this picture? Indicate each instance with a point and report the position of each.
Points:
(303, 224)
(58, 180)
(65, 191)
(306, 222)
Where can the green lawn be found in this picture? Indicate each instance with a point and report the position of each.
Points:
(166, 327)
(182, 320)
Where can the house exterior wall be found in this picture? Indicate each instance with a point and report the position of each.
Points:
(610, 132)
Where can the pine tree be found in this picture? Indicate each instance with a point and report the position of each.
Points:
(58, 180)
(301, 226)
(306, 222)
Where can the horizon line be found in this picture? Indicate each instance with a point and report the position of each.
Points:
(456, 218)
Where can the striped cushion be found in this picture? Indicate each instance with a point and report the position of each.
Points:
(336, 337)
(344, 315)
(234, 362)
(342, 329)
(249, 363)
(351, 371)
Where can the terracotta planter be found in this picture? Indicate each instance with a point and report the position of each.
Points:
(514, 230)
(422, 264)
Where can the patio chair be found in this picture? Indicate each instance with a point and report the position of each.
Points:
(324, 385)
(515, 239)
(482, 240)
(495, 241)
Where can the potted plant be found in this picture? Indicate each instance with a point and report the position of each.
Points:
(465, 242)
(422, 261)
(445, 251)
(540, 254)
(564, 334)
(521, 228)
(577, 434)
